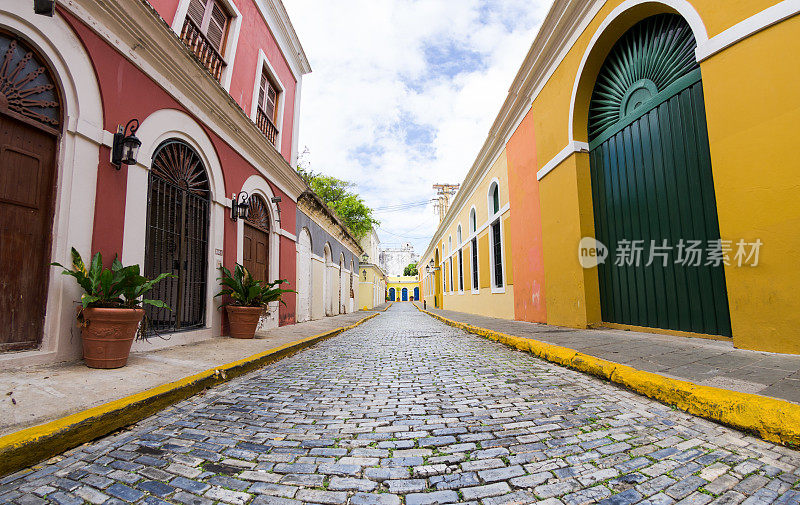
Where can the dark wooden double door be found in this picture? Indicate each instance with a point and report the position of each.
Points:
(27, 177)
(256, 252)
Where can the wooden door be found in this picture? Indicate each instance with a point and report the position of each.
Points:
(256, 257)
(652, 183)
(27, 171)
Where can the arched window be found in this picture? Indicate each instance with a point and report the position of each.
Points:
(495, 237)
(460, 261)
(473, 227)
(494, 199)
(177, 236)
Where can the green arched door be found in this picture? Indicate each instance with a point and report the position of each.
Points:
(652, 186)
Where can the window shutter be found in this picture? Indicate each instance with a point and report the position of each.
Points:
(216, 27)
(262, 90)
(272, 96)
(196, 12)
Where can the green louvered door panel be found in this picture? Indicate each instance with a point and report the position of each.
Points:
(652, 181)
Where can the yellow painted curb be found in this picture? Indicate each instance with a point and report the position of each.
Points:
(31, 445)
(774, 420)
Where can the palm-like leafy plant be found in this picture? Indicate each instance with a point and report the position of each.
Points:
(117, 287)
(246, 291)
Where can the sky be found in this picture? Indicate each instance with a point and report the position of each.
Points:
(402, 95)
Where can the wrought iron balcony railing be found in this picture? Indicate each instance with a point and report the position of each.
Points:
(202, 48)
(266, 126)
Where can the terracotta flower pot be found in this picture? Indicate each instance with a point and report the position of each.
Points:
(107, 336)
(243, 321)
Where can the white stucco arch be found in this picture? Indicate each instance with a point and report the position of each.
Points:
(161, 125)
(343, 295)
(257, 185)
(304, 276)
(682, 7)
(76, 172)
(327, 281)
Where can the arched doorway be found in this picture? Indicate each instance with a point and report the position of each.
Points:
(327, 282)
(416, 293)
(391, 294)
(255, 244)
(30, 128)
(405, 294)
(177, 236)
(342, 285)
(652, 185)
(353, 273)
(304, 275)
(437, 281)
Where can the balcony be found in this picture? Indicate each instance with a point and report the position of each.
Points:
(266, 126)
(202, 48)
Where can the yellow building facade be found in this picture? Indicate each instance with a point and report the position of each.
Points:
(701, 150)
(404, 288)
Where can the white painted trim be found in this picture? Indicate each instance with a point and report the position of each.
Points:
(290, 236)
(748, 27)
(257, 185)
(482, 227)
(489, 201)
(477, 271)
(573, 147)
(218, 119)
(683, 7)
(277, 20)
(296, 121)
(75, 173)
(264, 63)
(231, 42)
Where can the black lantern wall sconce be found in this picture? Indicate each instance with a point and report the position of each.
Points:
(277, 200)
(44, 7)
(240, 206)
(365, 258)
(125, 147)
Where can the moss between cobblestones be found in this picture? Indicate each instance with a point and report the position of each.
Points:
(774, 420)
(31, 445)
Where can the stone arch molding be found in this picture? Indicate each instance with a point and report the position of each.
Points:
(681, 7)
(76, 166)
(159, 126)
(167, 124)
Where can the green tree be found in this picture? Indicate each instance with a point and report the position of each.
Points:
(411, 269)
(337, 194)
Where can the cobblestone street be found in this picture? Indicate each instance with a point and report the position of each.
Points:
(404, 409)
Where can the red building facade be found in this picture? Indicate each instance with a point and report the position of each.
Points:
(215, 86)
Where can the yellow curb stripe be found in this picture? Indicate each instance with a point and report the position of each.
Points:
(774, 420)
(31, 445)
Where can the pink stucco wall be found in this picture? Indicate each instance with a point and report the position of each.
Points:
(254, 34)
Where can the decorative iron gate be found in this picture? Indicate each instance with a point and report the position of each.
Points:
(177, 236)
(652, 182)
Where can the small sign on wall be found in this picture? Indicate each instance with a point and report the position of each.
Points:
(218, 252)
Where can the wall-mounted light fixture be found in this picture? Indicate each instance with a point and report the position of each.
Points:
(44, 7)
(365, 258)
(125, 147)
(240, 206)
(364, 273)
(277, 200)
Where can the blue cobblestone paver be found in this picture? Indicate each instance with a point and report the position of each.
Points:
(406, 410)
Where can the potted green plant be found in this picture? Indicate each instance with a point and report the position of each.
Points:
(248, 298)
(111, 308)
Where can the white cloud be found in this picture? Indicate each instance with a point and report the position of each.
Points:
(403, 93)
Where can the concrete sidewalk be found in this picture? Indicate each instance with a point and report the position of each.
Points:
(43, 393)
(701, 361)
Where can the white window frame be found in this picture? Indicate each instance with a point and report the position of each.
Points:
(264, 64)
(231, 43)
(495, 217)
(495, 289)
(473, 243)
